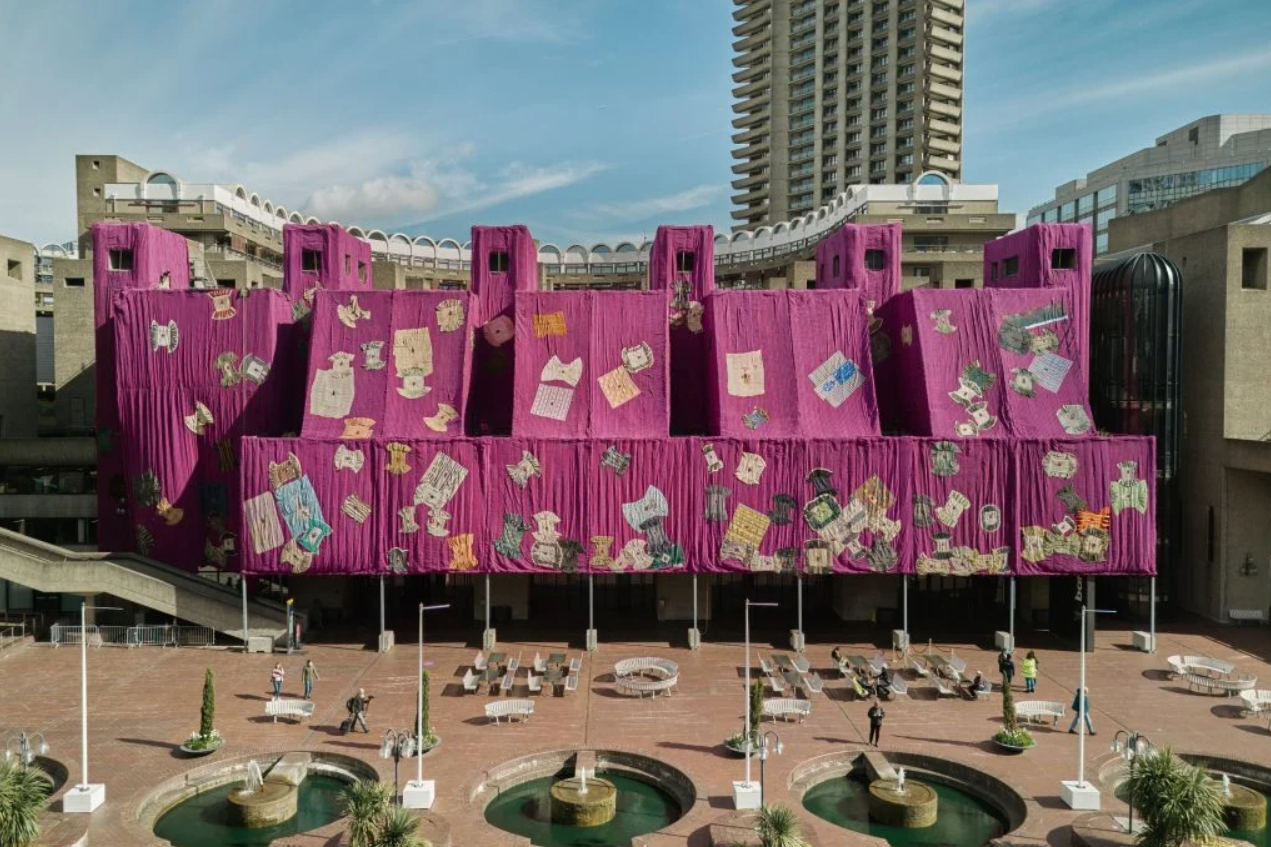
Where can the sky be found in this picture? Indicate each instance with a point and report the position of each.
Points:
(588, 120)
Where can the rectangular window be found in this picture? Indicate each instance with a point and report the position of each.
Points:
(1067, 212)
(361, 271)
(222, 283)
(311, 260)
(1063, 259)
(348, 265)
(15, 269)
(875, 260)
(964, 283)
(1253, 268)
(685, 261)
(74, 282)
(922, 272)
(120, 260)
(993, 272)
(1010, 266)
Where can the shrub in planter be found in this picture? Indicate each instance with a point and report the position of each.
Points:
(207, 738)
(1011, 734)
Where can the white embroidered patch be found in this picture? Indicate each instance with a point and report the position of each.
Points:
(1049, 370)
(637, 358)
(412, 350)
(524, 469)
(262, 523)
(163, 336)
(197, 421)
(557, 371)
(552, 401)
(356, 508)
(1059, 465)
(450, 315)
(1073, 419)
(745, 373)
(352, 312)
(347, 459)
(440, 481)
(373, 355)
(440, 421)
(836, 379)
(618, 387)
(331, 395)
(750, 468)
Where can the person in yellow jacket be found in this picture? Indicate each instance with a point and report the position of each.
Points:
(1028, 668)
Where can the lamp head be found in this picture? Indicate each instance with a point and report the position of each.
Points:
(386, 748)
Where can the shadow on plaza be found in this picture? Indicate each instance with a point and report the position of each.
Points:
(985, 746)
(174, 750)
(717, 749)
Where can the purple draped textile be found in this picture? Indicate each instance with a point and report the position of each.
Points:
(864, 257)
(867, 505)
(125, 256)
(682, 261)
(197, 373)
(395, 363)
(789, 363)
(591, 363)
(318, 256)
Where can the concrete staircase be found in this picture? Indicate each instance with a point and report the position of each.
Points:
(52, 569)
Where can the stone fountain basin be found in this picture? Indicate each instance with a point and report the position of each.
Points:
(273, 803)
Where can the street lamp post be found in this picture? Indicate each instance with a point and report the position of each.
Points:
(747, 795)
(27, 747)
(1079, 794)
(85, 797)
(776, 747)
(398, 744)
(1135, 744)
(419, 793)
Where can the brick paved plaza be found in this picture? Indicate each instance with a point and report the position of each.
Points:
(145, 701)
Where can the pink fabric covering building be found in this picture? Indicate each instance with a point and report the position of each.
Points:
(591, 363)
(682, 261)
(125, 257)
(866, 258)
(322, 256)
(790, 363)
(390, 363)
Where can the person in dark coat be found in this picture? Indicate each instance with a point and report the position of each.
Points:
(876, 715)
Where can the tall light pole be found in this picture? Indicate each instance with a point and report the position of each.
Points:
(1081, 795)
(419, 794)
(776, 747)
(85, 798)
(747, 795)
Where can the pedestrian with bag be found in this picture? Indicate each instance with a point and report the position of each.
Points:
(1080, 709)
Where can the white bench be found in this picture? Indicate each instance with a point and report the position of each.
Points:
(813, 683)
(899, 688)
(800, 664)
(942, 690)
(470, 681)
(1256, 701)
(295, 709)
(478, 662)
(1210, 684)
(1251, 615)
(1184, 665)
(663, 668)
(653, 687)
(571, 683)
(786, 708)
(1040, 710)
(509, 709)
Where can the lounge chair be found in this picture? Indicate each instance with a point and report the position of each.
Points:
(575, 665)
(478, 663)
(801, 664)
(540, 666)
(814, 684)
(571, 683)
(508, 679)
(535, 684)
(515, 664)
(765, 666)
(777, 684)
(470, 681)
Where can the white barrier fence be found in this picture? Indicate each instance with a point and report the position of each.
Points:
(134, 636)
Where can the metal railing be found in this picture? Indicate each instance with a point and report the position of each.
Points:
(135, 636)
(11, 633)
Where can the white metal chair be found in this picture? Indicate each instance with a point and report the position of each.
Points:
(575, 665)
(515, 664)
(777, 684)
(508, 679)
(540, 666)
(765, 666)
(801, 664)
(470, 681)
(571, 683)
(535, 684)
(478, 664)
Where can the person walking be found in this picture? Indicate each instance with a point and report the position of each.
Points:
(1028, 668)
(1081, 708)
(876, 715)
(1006, 666)
(276, 676)
(309, 675)
(357, 710)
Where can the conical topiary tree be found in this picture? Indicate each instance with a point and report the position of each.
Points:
(429, 738)
(1011, 733)
(1179, 802)
(756, 711)
(207, 714)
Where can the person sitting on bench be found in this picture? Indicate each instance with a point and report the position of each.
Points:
(972, 689)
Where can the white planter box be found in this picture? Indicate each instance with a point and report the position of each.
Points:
(1080, 796)
(1004, 641)
(746, 795)
(419, 795)
(84, 799)
(1143, 641)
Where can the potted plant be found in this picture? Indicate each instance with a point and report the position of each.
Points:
(1011, 736)
(207, 739)
(778, 826)
(23, 793)
(1179, 802)
(737, 743)
(431, 738)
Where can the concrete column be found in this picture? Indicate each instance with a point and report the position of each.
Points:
(591, 639)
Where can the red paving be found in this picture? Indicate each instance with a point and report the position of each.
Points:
(145, 701)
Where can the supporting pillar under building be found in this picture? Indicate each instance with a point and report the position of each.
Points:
(591, 614)
(386, 638)
(694, 634)
(488, 636)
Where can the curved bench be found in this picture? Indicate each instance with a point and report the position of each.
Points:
(1210, 684)
(295, 709)
(645, 664)
(1256, 701)
(1039, 710)
(509, 709)
(1184, 665)
(785, 709)
(652, 687)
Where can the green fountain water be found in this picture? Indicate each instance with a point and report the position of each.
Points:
(206, 819)
(526, 810)
(963, 820)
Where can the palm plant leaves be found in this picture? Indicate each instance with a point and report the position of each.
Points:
(1179, 802)
(397, 829)
(23, 792)
(779, 827)
(364, 803)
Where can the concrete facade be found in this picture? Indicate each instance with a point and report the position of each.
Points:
(830, 93)
(1221, 240)
(1213, 152)
(18, 399)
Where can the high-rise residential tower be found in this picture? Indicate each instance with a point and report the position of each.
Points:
(832, 93)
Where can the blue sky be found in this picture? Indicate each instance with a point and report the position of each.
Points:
(586, 120)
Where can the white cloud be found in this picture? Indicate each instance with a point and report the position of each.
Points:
(512, 182)
(1203, 71)
(638, 210)
(375, 199)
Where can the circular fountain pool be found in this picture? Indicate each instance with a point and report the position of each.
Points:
(1257, 837)
(206, 819)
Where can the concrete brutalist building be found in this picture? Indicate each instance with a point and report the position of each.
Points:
(18, 397)
(1220, 241)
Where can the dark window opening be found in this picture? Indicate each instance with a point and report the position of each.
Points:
(15, 269)
(836, 268)
(348, 265)
(964, 283)
(225, 283)
(74, 282)
(361, 271)
(311, 260)
(875, 260)
(1253, 268)
(993, 272)
(685, 261)
(121, 260)
(1063, 259)
(1010, 266)
(498, 261)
